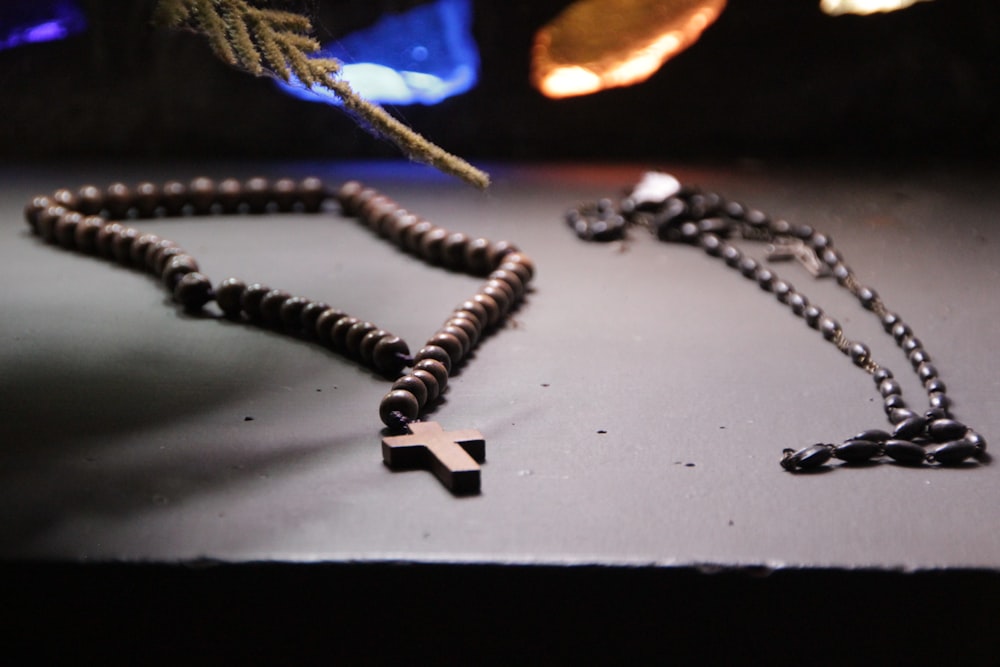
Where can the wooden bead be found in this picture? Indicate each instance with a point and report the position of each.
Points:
(154, 252)
(435, 368)
(229, 194)
(504, 287)
(105, 239)
(66, 198)
(498, 253)
(325, 323)
(250, 303)
(146, 199)
(286, 194)
(468, 325)
(414, 386)
(436, 353)
(389, 355)
(201, 194)
(33, 208)
(89, 200)
(520, 270)
(477, 309)
(142, 243)
(399, 401)
(46, 222)
(65, 230)
(338, 334)
(163, 257)
(229, 296)
(432, 386)
(117, 200)
(414, 233)
(523, 260)
(176, 269)
(270, 306)
(477, 256)
(193, 291)
(86, 233)
(453, 251)
(121, 245)
(512, 279)
(173, 197)
(397, 224)
(346, 196)
(492, 308)
(291, 313)
(367, 345)
(432, 245)
(310, 316)
(460, 334)
(257, 194)
(312, 193)
(354, 335)
(450, 344)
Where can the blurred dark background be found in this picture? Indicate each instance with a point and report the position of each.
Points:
(768, 79)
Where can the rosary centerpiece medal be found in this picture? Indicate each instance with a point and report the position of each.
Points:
(89, 220)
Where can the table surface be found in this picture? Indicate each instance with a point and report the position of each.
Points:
(635, 407)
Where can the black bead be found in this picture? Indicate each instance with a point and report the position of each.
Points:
(829, 327)
(909, 428)
(889, 387)
(857, 450)
(978, 440)
(881, 375)
(732, 255)
(938, 400)
(918, 356)
(944, 430)
(798, 303)
(953, 453)
(765, 278)
(911, 343)
(310, 315)
(902, 414)
(893, 402)
(936, 413)
(873, 434)
(291, 312)
(711, 244)
(900, 331)
(808, 458)
(812, 314)
(868, 297)
(748, 267)
(926, 371)
(935, 385)
(860, 354)
(904, 451)
(889, 320)
(270, 306)
(228, 296)
(782, 290)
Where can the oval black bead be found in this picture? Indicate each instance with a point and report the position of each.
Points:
(889, 387)
(857, 451)
(808, 458)
(901, 414)
(910, 428)
(873, 434)
(954, 452)
(945, 430)
(904, 451)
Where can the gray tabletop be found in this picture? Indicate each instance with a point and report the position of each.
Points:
(635, 407)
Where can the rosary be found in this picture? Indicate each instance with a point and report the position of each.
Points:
(84, 220)
(87, 220)
(679, 214)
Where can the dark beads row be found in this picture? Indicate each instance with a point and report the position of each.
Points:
(413, 234)
(913, 441)
(200, 196)
(360, 340)
(179, 273)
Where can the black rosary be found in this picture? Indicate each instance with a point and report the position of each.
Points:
(83, 220)
(681, 214)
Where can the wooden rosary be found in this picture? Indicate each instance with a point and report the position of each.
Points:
(86, 220)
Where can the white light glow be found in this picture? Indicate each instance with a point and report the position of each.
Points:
(838, 7)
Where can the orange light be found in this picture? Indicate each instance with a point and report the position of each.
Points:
(599, 44)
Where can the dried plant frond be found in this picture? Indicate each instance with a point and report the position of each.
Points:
(269, 41)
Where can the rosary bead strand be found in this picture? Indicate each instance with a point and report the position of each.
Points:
(706, 219)
(86, 220)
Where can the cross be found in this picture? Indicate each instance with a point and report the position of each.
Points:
(453, 456)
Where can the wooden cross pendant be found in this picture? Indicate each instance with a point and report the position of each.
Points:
(453, 456)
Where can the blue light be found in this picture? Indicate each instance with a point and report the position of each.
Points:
(420, 56)
(34, 21)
